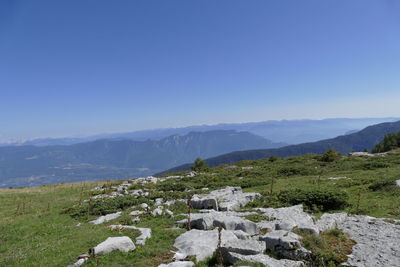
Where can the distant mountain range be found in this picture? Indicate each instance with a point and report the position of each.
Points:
(112, 159)
(364, 139)
(284, 131)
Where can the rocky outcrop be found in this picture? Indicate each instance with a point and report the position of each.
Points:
(285, 244)
(288, 218)
(213, 219)
(377, 241)
(229, 198)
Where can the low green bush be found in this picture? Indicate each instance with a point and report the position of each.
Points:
(315, 199)
(330, 156)
(382, 185)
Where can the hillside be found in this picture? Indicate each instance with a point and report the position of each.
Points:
(115, 159)
(364, 139)
(49, 225)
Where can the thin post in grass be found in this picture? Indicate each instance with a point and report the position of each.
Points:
(89, 208)
(220, 259)
(189, 204)
(358, 201)
(271, 189)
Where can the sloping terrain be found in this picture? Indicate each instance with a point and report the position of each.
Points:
(50, 225)
(364, 139)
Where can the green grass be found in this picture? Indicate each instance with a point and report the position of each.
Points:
(37, 227)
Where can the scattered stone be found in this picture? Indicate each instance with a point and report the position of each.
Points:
(106, 218)
(159, 201)
(121, 243)
(144, 206)
(145, 233)
(78, 263)
(169, 213)
(136, 212)
(158, 211)
(398, 182)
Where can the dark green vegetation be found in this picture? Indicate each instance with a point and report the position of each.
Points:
(115, 158)
(367, 138)
(390, 142)
(38, 225)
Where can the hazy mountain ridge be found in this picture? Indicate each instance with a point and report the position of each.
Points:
(364, 139)
(111, 159)
(283, 131)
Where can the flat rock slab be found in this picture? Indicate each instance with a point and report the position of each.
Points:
(229, 198)
(377, 241)
(106, 218)
(263, 259)
(121, 243)
(202, 244)
(178, 264)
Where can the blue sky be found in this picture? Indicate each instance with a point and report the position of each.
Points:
(73, 67)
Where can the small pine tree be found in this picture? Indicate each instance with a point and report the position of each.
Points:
(199, 165)
(330, 155)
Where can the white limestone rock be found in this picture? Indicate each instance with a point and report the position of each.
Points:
(290, 217)
(285, 244)
(106, 218)
(121, 243)
(233, 257)
(330, 221)
(178, 264)
(227, 199)
(377, 241)
(211, 220)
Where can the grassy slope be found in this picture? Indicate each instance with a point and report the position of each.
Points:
(39, 234)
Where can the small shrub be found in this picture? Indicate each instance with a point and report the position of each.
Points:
(296, 170)
(199, 165)
(330, 156)
(382, 185)
(315, 199)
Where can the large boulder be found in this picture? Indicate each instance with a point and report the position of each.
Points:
(285, 244)
(200, 244)
(229, 198)
(106, 218)
(121, 243)
(290, 217)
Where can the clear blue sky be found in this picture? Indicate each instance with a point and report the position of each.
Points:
(80, 67)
